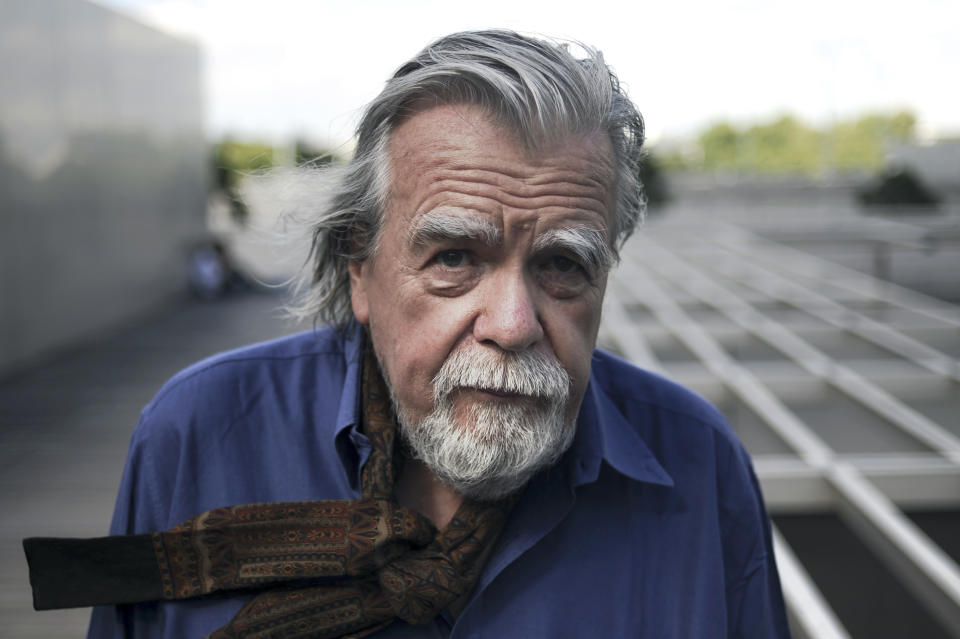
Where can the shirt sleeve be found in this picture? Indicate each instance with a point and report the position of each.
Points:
(755, 606)
(146, 503)
(139, 508)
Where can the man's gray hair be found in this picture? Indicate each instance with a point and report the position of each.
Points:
(536, 88)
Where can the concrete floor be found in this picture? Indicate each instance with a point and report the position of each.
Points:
(65, 427)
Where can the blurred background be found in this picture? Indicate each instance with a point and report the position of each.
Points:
(799, 266)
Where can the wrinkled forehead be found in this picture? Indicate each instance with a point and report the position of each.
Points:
(435, 142)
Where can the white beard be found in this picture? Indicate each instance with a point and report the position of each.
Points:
(497, 446)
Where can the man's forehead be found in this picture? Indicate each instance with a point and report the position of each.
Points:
(457, 156)
(442, 129)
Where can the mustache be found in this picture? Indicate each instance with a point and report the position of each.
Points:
(530, 373)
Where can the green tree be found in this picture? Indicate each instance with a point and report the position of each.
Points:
(782, 146)
(902, 126)
(720, 146)
(788, 145)
(861, 144)
(306, 153)
(231, 161)
(675, 160)
(650, 174)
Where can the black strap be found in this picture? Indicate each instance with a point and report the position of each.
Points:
(70, 573)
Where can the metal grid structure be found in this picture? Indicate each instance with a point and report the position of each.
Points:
(843, 387)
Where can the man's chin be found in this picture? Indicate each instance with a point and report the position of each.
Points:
(484, 462)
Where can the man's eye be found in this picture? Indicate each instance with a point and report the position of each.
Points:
(562, 264)
(453, 258)
(563, 276)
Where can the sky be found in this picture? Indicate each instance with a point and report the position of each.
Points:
(278, 70)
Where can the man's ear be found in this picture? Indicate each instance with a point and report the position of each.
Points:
(358, 290)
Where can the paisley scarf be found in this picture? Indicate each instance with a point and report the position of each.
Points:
(333, 568)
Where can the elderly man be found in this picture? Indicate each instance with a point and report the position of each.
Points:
(453, 456)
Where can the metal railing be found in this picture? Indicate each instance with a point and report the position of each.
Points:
(739, 276)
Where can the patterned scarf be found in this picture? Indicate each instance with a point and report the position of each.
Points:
(336, 568)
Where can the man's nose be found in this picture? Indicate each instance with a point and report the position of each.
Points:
(509, 317)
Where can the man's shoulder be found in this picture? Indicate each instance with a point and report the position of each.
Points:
(287, 375)
(637, 391)
(311, 343)
(684, 432)
(253, 424)
(280, 354)
(687, 436)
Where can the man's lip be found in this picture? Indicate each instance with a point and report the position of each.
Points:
(499, 393)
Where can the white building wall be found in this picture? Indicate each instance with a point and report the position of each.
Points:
(103, 172)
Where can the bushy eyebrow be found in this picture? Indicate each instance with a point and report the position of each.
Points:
(589, 244)
(452, 224)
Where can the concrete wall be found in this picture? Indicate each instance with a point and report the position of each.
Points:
(103, 172)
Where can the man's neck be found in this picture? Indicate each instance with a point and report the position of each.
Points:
(419, 488)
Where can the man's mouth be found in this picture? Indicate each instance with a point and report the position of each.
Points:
(495, 393)
(501, 393)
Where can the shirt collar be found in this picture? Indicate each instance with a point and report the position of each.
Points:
(351, 445)
(604, 434)
(353, 342)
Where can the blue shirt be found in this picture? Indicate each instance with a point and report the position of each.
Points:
(651, 525)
